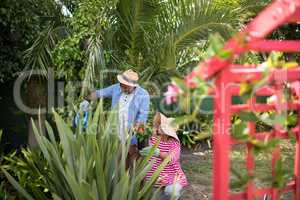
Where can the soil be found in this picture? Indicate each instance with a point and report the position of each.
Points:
(197, 167)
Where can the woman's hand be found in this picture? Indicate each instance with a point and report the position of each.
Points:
(146, 151)
(162, 180)
(139, 128)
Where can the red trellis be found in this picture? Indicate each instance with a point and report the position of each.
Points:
(229, 77)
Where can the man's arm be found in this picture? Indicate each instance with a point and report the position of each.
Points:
(144, 109)
(105, 92)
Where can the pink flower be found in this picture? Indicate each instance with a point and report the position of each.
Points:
(172, 93)
(190, 81)
(295, 88)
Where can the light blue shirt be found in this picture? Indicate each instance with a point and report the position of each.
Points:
(139, 106)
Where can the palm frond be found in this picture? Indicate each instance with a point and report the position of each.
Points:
(39, 55)
(196, 19)
(182, 25)
(135, 17)
(94, 64)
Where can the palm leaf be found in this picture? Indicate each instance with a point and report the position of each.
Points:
(94, 64)
(39, 56)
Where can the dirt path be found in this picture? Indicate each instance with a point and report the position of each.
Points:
(197, 167)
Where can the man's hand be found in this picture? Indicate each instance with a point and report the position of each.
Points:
(146, 151)
(91, 97)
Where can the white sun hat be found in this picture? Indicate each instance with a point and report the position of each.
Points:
(167, 125)
(129, 78)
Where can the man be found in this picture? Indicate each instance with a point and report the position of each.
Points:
(132, 101)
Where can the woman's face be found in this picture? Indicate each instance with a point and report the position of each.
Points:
(157, 130)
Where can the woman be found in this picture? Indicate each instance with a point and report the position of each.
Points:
(171, 178)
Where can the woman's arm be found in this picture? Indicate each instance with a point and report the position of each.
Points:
(164, 155)
(174, 152)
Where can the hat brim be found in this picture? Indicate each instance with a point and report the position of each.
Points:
(121, 80)
(170, 132)
(165, 124)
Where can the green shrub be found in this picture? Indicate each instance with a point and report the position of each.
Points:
(85, 165)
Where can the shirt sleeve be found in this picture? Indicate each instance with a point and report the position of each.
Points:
(142, 114)
(151, 140)
(105, 92)
(175, 152)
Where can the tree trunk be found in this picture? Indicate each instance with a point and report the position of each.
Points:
(36, 98)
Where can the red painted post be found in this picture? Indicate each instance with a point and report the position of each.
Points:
(221, 142)
(297, 155)
(275, 158)
(297, 165)
(280, 108)
(250, 156)
(250, 168)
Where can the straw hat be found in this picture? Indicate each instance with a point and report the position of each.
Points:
(129, 78)
(166, 124)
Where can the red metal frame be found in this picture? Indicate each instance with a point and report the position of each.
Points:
(227, 84)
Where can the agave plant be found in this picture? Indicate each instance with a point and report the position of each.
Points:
(88, 164)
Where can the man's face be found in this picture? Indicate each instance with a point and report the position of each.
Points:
(126, 88)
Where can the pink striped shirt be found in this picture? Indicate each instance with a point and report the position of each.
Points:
(172, 172)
